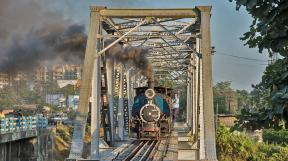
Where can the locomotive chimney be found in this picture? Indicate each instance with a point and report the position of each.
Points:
(151, 84)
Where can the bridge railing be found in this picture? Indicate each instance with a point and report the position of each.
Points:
(23, 123)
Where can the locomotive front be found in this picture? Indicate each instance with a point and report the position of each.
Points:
(150, 112)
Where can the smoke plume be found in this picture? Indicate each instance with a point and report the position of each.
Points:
(31, 35)
(132, 55)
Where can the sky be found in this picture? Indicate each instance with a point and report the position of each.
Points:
(227, 26)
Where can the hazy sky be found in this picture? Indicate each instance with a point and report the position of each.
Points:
(228, 25)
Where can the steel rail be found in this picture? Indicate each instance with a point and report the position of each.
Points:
(124, 153)
(140, 152)
(134, 151)
(148, 151)
(153, 152)
(143, 153)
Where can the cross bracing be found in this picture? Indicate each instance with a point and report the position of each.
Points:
(159, 35)
(179, 47)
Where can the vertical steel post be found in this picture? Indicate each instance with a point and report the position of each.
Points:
(208, 110)
(188, 104)
(191, 98)
(81, 118)
(129, 92)
(197, 84)
(121, 104)
(133, 92)
(201, 131)
(110, 94)
(96, 104)
(192, 94)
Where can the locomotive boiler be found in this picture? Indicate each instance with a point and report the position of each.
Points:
(151, 112)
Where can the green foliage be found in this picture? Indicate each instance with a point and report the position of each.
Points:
(67, 90)
(19, 93)
(269, 99)
(221, 92)
(239, 147)
(224, 95)
(258, 118)
(274, 136)
(166, 82)
(221, 88)
(275, 78)
(282, 155)
(220, 105)
(269, 27)
(243, 99)
(232, 146)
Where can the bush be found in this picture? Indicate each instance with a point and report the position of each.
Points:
(282, 155)
(232, 146)
(239, 147)
(273, 136)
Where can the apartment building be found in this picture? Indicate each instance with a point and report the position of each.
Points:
(4, 80)
(44, 74)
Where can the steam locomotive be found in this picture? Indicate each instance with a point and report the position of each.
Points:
(151, 112)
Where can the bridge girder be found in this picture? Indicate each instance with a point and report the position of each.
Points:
(172, 37)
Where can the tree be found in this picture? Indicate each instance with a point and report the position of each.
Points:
(269, 28)
(19, 93)
(223, 97)
(243, 98)
(269, 99)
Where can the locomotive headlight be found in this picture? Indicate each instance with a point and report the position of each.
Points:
(149, 93)
(150, 113)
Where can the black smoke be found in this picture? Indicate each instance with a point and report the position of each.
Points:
(32, 35)
(53, 45)
(136, 56)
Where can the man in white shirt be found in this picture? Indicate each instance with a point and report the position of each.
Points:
(175, 106)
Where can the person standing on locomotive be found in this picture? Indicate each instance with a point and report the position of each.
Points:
(175, 106)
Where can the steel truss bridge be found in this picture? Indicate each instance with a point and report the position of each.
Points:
(179, 45)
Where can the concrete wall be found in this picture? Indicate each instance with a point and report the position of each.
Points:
(227, 120)
(34, 148)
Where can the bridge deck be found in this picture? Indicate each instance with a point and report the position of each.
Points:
(18, 135)
(180, 147)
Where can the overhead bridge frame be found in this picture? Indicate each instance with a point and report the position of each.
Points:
(179, 45)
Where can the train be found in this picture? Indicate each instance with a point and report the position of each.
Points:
(151, 112)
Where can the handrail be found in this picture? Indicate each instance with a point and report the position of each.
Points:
(15, 124)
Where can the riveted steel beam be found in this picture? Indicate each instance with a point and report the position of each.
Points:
(141, 13)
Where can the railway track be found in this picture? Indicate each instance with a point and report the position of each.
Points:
(144, 150)
(161, 150)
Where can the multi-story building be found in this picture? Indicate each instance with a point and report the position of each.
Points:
(19, 76)
(4, 80)
(41, 74)
(44, 74)
(66, 72)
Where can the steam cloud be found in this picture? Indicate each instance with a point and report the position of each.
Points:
(132, 55)
(31, 35)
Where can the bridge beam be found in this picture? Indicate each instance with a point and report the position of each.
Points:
(121, 104)
(129, 94)
(96, 103)
(142, 13)
(82, 111)
(110, 95)
(208, 109)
